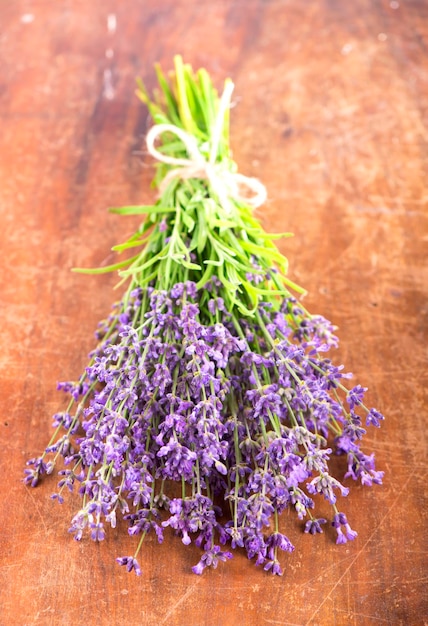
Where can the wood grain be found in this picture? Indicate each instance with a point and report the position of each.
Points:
(331, 112)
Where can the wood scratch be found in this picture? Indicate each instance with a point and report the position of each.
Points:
(28, 489)
(374, 617)
(11, 565)
(358, 553)
(178, 603)
(331, 567)
(281, 623)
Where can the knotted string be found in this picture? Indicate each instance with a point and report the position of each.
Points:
(225, 184)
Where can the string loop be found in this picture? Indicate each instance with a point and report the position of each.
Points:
(226, 184)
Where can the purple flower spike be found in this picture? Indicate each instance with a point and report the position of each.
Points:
(273, 567)
(355, 396)
(130, 563)
(374, 418)
(343, 529)
(313, 526)
(211, 558)
(199, 568)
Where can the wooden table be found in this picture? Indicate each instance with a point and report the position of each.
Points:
(331, 106)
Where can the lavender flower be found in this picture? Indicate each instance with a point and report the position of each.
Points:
(130, 563)
(210, 559)
(343, 529)
(313, 526)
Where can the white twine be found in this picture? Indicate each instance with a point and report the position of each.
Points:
(225, 184)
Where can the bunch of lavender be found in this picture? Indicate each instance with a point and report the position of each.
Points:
(209, 373)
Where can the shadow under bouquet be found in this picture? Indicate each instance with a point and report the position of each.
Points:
(209, 404)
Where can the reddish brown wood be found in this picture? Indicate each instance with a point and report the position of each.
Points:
(331, 114)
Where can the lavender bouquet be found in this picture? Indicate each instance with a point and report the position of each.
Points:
(209, 405)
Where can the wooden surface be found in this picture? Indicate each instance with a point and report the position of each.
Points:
(331, 107)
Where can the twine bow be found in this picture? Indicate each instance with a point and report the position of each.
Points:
(225, 184)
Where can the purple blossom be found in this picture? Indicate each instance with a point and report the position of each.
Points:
(211, 558)
(179, 461)
(130, 563)
(325, 484)
(313, 526)
(355, 396)
(278, 540)
(75, 389)
(374, 418)
(40, 467)
(362, 466)
(343, 529)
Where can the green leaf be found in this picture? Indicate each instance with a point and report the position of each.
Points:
(223, 224)
(202, 230)
(208, 96)
(260, 250)
(105, 269)
(137, 267)
(213, 262)
(209, 272)
(188, 221)
(232, 274)
(130, 244)
(183, 104)
(169, 96)
(191, 266)
(140, 210)
(260, 234)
